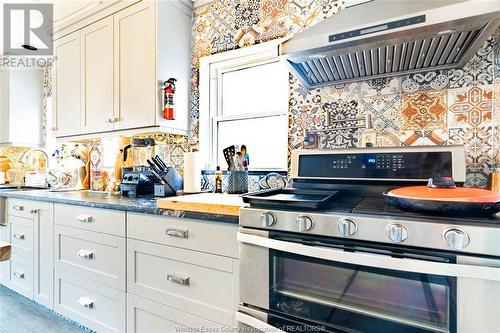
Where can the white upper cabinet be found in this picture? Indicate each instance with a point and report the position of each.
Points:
(97, 82)
(67, 85)
(67, 10)
(21, 107)
(125, 58)
(135, 64)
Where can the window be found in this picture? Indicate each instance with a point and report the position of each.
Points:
(247, 104)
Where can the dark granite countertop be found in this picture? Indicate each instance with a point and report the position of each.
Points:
(146, 205)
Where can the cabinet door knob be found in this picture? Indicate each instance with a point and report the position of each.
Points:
(84, 218)
(18, 236)
(86, 254)
(86, 302)
(179, 279)
(172, 232)
(54, 129)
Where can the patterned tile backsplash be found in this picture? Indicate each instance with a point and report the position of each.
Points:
(460, 106)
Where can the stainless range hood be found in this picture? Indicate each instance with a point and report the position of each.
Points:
(384, 38)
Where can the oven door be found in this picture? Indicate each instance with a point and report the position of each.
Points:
(296, 283)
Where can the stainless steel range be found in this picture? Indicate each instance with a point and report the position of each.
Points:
(331, 255)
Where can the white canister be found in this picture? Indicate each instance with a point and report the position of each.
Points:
(192, 172)
(2, 178)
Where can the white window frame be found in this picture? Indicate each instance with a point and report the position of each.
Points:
(210, 105)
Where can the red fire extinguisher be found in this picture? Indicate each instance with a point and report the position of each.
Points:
(169, 99)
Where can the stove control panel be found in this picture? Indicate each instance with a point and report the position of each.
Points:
(304, 223)
(401, 165)
(397, 233)
(456, 239)
(347, 227)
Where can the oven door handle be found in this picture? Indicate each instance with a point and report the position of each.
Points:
(375, 260)
(256, 323)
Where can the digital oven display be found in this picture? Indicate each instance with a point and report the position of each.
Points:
(408, 165)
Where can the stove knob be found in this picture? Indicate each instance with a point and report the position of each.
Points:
(456, 239)
(397, 233)
(347, 227)
(304, 223)
(267, 219)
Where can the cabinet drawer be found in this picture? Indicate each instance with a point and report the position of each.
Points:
(21, 276)
(95, 256)
(93, 219)
(4, 265)
(187, 280)
(151, 317)
(21, 208)
(21, 236)
(211, 237)
(94, 305)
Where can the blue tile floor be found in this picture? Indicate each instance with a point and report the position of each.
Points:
(20, 315)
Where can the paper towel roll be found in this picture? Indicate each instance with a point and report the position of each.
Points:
(192, 172)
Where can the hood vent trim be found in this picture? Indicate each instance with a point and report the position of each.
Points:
(394, 53)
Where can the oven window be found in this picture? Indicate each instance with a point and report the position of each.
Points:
(360, 298)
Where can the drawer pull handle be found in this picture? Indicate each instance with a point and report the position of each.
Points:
(34, 211)
(84, 218)
(86, 302)
(179, 233)
(18, 236)
(179, 279)
(18, 208)
(86, 254)
(18, 275)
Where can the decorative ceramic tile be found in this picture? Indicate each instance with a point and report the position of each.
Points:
(470, 107)
(478, 146)
(247, 14)
(271, 9)
(273, 29)
(479, 70)
(341, 113)
(222, 43)
(378, 138)
(384, 86)
(477, 178)
(424, 111)
(253, 183)
(424, 81)
(384, 111)
(339, 139)
(424, 137)
(346, 91)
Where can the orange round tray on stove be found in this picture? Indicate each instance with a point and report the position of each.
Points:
(457, 194)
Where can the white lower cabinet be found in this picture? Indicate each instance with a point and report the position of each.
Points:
(30, 271)
(95, 256)
(144, 316)
(186, 280)
(21, 276)
(4, 265)
(113, 271)
(92, 304)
